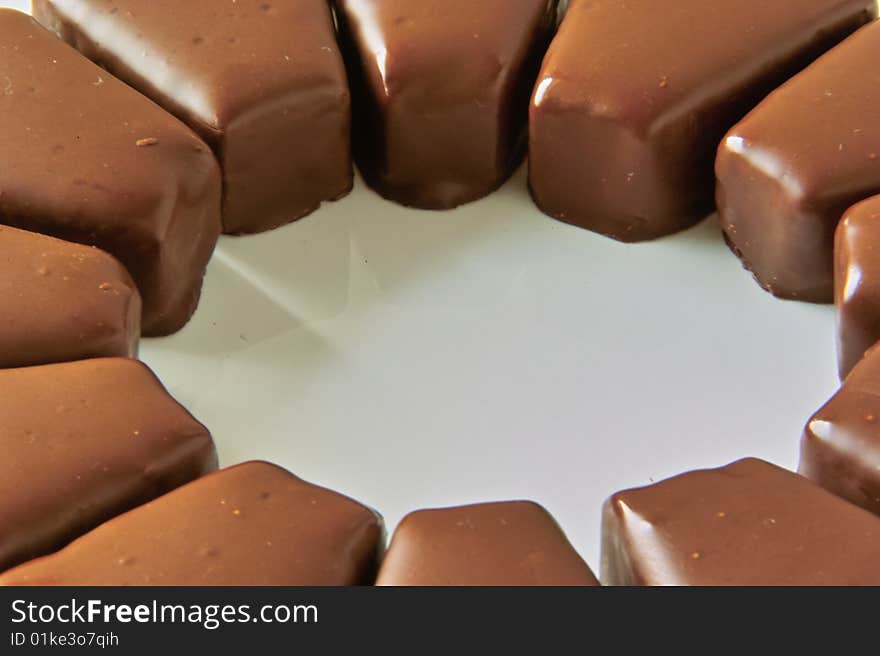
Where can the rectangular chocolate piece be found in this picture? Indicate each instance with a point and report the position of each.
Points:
(749, 523)
(633, 98)
(252, 524)
(87, 159)
(61, 301)
(507, 543)
(84, 441)
(440, 92)
(261, 81)
(789, 170)
(840, 449)
(857, 282)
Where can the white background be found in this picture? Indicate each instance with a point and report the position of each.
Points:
(415, 359)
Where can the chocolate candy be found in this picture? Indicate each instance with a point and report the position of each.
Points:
(749, 523)
(440, 92)
(261, 81)
(253, 524)
(61, 301)
(633, 99)
(512, 543)
(840, 449)
(84, 441)
(857, 282)
(87, 159)
(790, 169)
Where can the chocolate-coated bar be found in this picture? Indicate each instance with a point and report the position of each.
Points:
(857, 282)
(252, 524)
(790, 169)
(634, 97)
(840, 449)
(84, 441)
(261, 81)
(749, 523)
(507, 543)
(61, 301)
(85, 158)
(440, 92)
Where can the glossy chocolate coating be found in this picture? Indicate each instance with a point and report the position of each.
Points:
(508, 543)
(84, 441)
(790, 169)
(857, 282)
(749, 523)
(633, 99)
(252, 524)
(262, 81)
(440, 92)
(87, 159)
(61, 301)
(840, 449)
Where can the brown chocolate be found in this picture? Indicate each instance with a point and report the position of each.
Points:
(261, 81)
(74, 164)
(840, 449)
(440, 92)
(509, 543)
(632, 101)
(857, 282)
(749, 523)
(253, 524)
(790, 169)
(84, 441)
(61, 301)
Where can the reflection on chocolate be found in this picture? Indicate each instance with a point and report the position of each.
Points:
(632, 101)
(87, 159)
(840, 449)
(511, 543)
(857, 282)
(253, 524)
(261, 81)
(790, 169)
(440, 92)
(749, 523)
(61, 301)
(84, 441)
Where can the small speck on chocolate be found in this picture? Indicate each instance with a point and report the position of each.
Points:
(147, 141)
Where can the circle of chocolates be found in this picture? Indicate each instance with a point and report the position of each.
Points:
(625, 110)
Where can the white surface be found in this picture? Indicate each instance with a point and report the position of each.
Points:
(415, 359)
